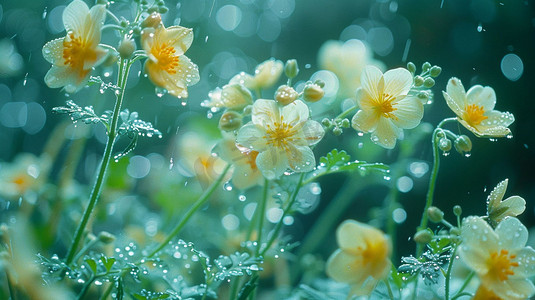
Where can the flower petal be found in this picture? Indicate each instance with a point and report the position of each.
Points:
(409, 112)
(386, 133)
(397, 82)
(179, 37)
(74, 16)
(526, 266)
(295, 113)
(272, 163)
(313, 132)
(514, 289)
(93, 24)
(364, 288)
(300, 158)
(482, 96)
(476, 233)
(187, 73)
(365, 121)
(352, 235)
(265, 112)
(344, 267)
(455, 96)
(252, 136)
(496, 195)
(53, 52)
(58, 77)
(244, 177)
(514, 206)
(372, 82)
(512, 233)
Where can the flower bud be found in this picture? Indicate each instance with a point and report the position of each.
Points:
(345, 123)
(444, 144)
(435, 71)
(153, 20)
(435, 214)
(106, 237)
(326, 122)
(267, 73)
(418, 80)
(463, 144)
(126, 48)
(230, 121)
(285, 95)
(411, 67)
(423, 95)
(426, 66)
(457, 210)
(236, 96)
(153, 9)
(163, 9)
(429, 82)
(423, 236)
(320, 83)
(337, 131)
(313, 92)
(291, 69)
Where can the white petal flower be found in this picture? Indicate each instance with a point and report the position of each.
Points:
(498, 209)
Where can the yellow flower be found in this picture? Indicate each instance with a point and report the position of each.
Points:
(74, 56)
(497, 209)
(167, 65)
(266, 74)
(363, 257)
(282, 136)
(499, 257)
(246, 174)
(346, 60)
(385, 107)
(233, 96)
(475, 109)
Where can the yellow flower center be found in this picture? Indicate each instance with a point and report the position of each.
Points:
(280, 134)
(501, 265)
(76, 51)
(473, 114)
(251, 159)
(374, 255)
(484, 294)
(21, 181)
(383, 106)
(166, 58)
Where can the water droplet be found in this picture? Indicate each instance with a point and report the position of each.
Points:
(227, 186)
(479, 27)
(242, 198)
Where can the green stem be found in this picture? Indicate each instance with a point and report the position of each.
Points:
(278, 227)
(234, 288)
(85, 248)
(124, 68)
(389, 289)
(198, 204)
(448, 273)
(10, 287)
(462, 294)
(432, 179)
(261, 216)
(86, 288)
(465, 284)
(346, 112)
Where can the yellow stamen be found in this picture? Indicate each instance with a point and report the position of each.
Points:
(501, 265)
(166, 58)
(383, 106)
(280, 134)
(473, 114)
(251, 159)
(76, 51)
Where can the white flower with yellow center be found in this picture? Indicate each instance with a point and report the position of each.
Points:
(282, 136)
(265, 75)
(475, 109)
(74, 56)
(167, 66)
(246, 174)
(233, 96)
(499, 257)
(498, 209)
(385, 108)
(363, 257)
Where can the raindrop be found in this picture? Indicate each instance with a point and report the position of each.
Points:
(227, 186)
(242, 198)
(44, 13)
(479, 27)
(308, 66)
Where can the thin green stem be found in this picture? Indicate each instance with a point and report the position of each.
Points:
(85, 248)
(10, 287)
(465, 284)
(346, 112)
(124, 68)
(261, 216)
(448, 273)
(432, 179)
(389, 289)
(278, 227)
(86, 287)
(198, 204)
(462, 294)
(234, 288)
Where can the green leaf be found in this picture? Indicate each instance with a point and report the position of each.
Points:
(107, 262)
(131, 146)
(339, 161)
(92, 265)
(85, 114)
(248, 288)
(132, 126)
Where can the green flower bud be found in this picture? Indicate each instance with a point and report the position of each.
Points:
(153, 20)
(423, 236)
(337, 131)
(463, 144)
(126, 48)
(136, 30)
(313, 92)
(326, 122)
(286, 95)
(153, 9)
(444, 144)
(345, 123)
(435, 214)
(423, 95)
(123, 22)
(411, 67)
(163, 9)
(230, 121)
(429, 82)
(426, 66)
(435, 71)
(418, 80)
(457, 210)
(106, 237)
(291, 69)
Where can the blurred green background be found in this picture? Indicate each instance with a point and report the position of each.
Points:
(483, 42)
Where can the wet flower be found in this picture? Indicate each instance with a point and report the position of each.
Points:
(475, 109)
(233, 96)
(346, 60)
(385, 108)
(265, 75)
(362, 259)
(167, 66)
(282, 136)
(23, 177)
(498, 209)
(246, 174)
(499, 257)
(74, 56)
